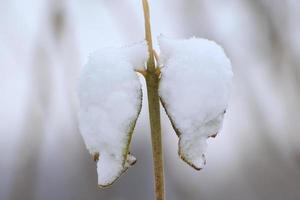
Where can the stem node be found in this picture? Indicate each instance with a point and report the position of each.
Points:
(152, 81)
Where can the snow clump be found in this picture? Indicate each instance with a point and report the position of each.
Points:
(195, 86)
(110, 99)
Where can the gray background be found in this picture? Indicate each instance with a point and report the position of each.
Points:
(43, 45)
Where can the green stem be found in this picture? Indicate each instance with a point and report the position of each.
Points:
(152, 81)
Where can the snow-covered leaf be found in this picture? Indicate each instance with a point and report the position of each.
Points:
(194, 89)
(110, 101)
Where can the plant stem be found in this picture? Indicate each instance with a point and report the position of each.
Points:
(152, 81)
(154, 114)
(151, 63)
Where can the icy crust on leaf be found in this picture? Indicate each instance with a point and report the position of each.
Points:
(110, 101)
(194, 89)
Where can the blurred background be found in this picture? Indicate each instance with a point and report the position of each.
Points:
(43, 45)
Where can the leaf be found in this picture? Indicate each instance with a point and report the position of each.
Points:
(110, 98)
(194, 89)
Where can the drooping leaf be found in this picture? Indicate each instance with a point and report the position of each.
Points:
(194, 89)
(110, 101)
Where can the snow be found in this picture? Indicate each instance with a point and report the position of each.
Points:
(194, 88)
(137, 54)
(110, 101)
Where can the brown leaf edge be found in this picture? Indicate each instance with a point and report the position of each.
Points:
(178, 133)
(126, 155)
(128, 163)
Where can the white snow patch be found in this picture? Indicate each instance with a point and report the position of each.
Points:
(110, 101)
(194, 88)
(137, 54)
